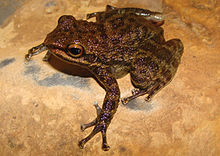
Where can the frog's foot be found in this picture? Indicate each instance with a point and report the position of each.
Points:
(99, 127)
(136, 92)
(35, 50)
(149, 97)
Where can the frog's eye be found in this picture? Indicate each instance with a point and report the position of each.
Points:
(75, 50)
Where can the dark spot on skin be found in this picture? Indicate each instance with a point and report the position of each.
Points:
(148, 47)
(6, 62)
(123, 31)
(116, 24)
(110, 81)
(163, 54)
(141, 61)
(138, 80)
(175, 63)
(115, 41)
(107, 15)
(56, 79)
(131, 19)
(153, 67)
(103, 36)
(139, 104)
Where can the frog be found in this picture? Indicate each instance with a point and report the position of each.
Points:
(121, 41)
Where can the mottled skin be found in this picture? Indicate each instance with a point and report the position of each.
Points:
(121, 41)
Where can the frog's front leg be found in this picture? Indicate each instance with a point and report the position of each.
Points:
(110, 105)
(35, 50)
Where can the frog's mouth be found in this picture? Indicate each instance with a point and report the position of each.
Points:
(60, 53)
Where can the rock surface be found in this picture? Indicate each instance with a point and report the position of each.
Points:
(41, 109)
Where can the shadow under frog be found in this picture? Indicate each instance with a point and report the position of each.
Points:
(121, 41)
(34, 70)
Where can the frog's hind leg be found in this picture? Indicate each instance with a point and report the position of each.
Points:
(147, 77)
(150, 72)
(98, 14)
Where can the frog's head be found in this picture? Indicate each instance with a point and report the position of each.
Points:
(71, 41)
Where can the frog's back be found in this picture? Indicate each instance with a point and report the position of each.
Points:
(127, 33)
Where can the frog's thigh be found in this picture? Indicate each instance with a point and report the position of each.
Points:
(140, 76)
(148, 77)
